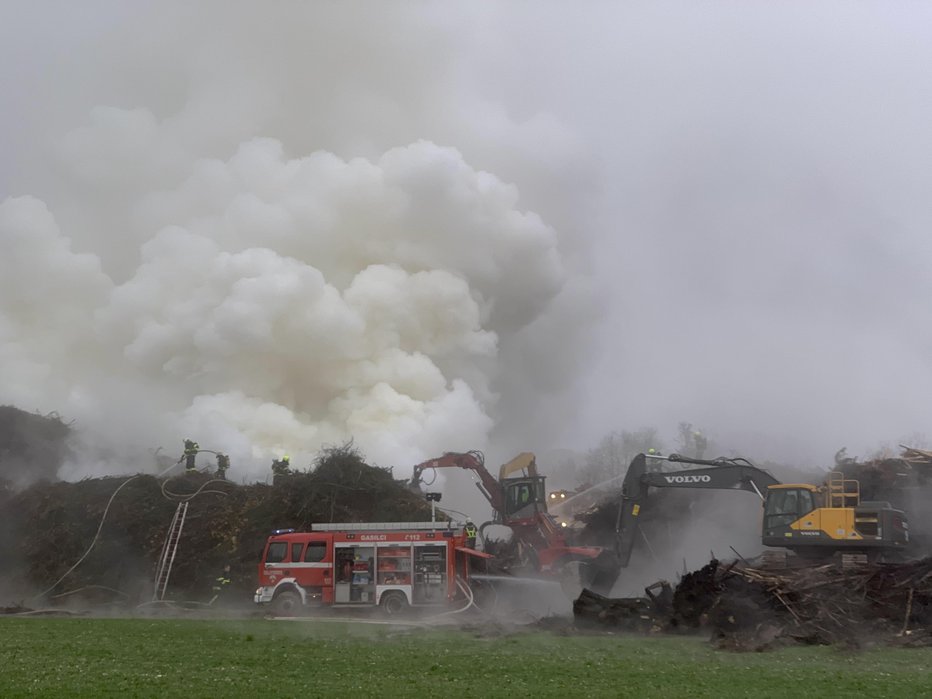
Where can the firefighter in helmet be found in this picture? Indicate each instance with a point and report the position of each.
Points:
(469, 529)
(281, 467)
(223, 463)
(191, 448)
(221, 583)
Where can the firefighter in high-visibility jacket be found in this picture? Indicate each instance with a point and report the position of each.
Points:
(469, 529)
(222, 583)
(191, 448)
(281, 467)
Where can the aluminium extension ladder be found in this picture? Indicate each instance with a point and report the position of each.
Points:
(168, 552)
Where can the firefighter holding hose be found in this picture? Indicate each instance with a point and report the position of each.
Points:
(191, 448)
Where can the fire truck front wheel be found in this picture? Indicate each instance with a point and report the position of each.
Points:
(286, 603)
(394, 603)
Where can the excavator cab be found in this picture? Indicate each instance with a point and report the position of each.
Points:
(786, 504)
(524, 496)
(809, 519)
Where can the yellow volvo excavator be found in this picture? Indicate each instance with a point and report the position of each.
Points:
(813, 521)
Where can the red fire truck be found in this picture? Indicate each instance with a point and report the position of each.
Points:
(393, 566)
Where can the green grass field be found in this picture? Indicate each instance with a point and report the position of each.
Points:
(197, 658)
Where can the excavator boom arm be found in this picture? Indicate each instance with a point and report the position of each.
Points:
(471, 460)
(722, 474)
(725, 477)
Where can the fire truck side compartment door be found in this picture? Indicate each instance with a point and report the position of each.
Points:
(354, 574)
(430, 573)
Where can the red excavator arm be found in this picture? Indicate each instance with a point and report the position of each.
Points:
(472, 460)
(519, 501)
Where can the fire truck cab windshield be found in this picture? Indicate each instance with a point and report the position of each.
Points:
(276, 552)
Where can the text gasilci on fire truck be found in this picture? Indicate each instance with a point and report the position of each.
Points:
(390, 565)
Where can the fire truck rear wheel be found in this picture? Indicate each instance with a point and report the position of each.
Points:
(286, 603)
(394, 603)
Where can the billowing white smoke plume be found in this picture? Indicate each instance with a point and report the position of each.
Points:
(280, 304)
(274, 228)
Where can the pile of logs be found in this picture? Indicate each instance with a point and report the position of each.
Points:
(748, 607)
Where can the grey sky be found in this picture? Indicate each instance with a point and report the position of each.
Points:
(741, 191)
(763, 218)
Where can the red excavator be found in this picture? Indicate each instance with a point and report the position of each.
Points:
(519, 501)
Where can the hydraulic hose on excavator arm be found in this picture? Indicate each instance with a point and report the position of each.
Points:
(473, 461)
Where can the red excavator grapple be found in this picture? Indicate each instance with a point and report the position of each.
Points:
(519, 502)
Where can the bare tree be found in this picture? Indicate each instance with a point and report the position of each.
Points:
(614, 452)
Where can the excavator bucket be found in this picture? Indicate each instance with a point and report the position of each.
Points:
(601, 574)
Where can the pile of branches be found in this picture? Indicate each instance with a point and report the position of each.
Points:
(32, 446)
(49, 526)
(886, 478)
(752, 608)
(919, 458)
(837, 604)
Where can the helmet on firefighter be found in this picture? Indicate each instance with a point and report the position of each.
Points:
(286, 458)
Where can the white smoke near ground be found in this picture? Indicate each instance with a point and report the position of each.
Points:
(703, 528)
